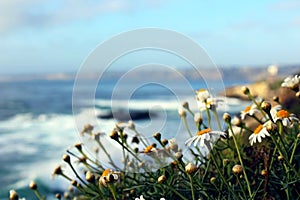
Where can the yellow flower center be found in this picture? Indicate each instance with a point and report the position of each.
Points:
(148, 149)
(204, 131)
(258, 129)
(202, 90)
(283, 114)
(247, 109)
(106, 172)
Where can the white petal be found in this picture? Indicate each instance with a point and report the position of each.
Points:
(251, 136)
(259, 138)
(207, 136)
(202, 142)
(254, 138)
(189, 141)
(251, 141)
(197, 140)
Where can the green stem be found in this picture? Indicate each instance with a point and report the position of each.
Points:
(186, 126)
(222, 176)
(107, 154)
(217, 119)
(241, 186)
(208, 117)
(191, 112)
(38, 195)
(258, 106)
(192, 186)
(112, 190)
(240, 159)
(176, 192)
(129, 151)
(294, 149)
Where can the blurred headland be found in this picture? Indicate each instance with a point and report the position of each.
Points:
(229, 74)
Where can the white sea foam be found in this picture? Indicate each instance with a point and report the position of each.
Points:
(40, 141)
(168, 104)
(31, 146)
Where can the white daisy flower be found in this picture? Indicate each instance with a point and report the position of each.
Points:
(291, 82)
(249, 110)
(280, 114)
(198, 117)
(173, 144)
(258, 133)
(202, 95)
(205, 137)
(209, 103)
(141, 198)
(108, 176)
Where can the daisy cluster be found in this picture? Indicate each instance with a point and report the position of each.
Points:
(253, 155)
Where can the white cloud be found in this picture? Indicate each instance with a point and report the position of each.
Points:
(13, 14)
(16, 14)
(286, 5)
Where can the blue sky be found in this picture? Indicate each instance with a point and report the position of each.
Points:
(57, 35)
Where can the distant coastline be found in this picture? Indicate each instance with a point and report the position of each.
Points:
(249, 74)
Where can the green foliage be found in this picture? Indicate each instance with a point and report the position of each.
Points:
(227, 166)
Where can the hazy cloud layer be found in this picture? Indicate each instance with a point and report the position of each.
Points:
(16, 14)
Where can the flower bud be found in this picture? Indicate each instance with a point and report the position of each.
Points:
(264, 172)
(136, 150)
(57, 170)
(90, 177)
(13, 195)
(131, 124)
(141, 164)
(173, 144)
(66, 158)
(181, 112)
(298, 94)
(125, 136)
(154, 145)
(266, 106)
(226, 117)
(245, 90)
(97, 135)
(66, 195)
(298, 136)
(198, 118)
(225, 161)
(87, 128)
(236, 121)
(161, 179)
(114, 135)
(271, 127)
(157, 136)
(280, 157)
(190, 168)
(135, 139)
(32, 185)
(185, 105)
(74, 183)
(164, 141)
(237, 169)
(276, 98)
(58, 195)
(212, 180)
(78, 146)
(178, 155)
(96, 150)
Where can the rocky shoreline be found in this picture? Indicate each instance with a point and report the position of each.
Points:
(268, 89)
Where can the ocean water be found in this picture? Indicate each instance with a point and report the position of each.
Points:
(38, 123)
